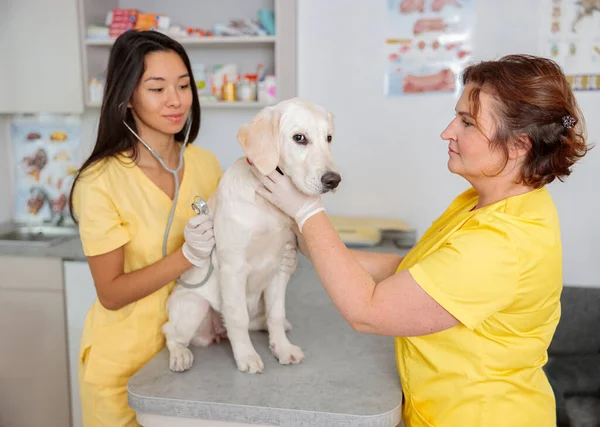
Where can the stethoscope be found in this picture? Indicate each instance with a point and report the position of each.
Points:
(199, 206)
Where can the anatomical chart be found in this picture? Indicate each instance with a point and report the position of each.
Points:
(571, 37)
(428, 43)
(45, 158)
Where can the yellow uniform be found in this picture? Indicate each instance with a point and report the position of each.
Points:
(498, 270)
(118, 205)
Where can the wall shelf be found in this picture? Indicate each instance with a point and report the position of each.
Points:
(192, 41)
(216, 105)
(276, 53)
(234, 104)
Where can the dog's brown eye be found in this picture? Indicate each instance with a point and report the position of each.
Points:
(300, 139)
(329, 138)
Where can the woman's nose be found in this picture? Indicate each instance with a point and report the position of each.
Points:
(173, 98)
(447, 133)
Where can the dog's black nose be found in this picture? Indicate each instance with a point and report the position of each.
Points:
(331, 180)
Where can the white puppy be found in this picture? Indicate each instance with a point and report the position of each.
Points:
(248, 284)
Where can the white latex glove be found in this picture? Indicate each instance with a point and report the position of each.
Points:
(199, 239)
(281, 192)
(290, 259)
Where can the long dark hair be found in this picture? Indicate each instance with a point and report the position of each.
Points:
(125, 69)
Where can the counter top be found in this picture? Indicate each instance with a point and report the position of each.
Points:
(346, 379)
(67, 250)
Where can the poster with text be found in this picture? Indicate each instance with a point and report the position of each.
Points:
(428, 43)
(45, 158)
(571, 37)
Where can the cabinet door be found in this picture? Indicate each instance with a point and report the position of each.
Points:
(34, 388)
(41, 59)
(80, 294)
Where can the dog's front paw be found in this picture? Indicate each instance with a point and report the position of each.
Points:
(287, 354)
(180, 359)
(251, 363)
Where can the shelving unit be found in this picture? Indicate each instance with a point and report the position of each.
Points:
(277, 53)
(191, 41)
(216, 105)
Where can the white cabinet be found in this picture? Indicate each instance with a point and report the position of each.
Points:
(80, 294)
(34, 389)
(40, 57)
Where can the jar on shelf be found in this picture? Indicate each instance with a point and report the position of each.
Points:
(267, 89)
(246, 90)
(229, 90)
(96, 89)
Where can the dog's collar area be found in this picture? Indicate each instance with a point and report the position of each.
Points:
(277, 169)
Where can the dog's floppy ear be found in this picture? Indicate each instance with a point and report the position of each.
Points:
(260, 140)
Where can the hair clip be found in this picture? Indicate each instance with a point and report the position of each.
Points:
(568, 121)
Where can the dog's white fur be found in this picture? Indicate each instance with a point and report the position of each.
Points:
(248, 285)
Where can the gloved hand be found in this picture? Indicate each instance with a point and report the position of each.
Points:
(281, 192)
(290, 259)
(199, 240)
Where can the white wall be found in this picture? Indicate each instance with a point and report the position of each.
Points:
(392, 158)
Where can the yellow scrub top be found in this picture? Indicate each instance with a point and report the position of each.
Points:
(118, 205)
(498, 270)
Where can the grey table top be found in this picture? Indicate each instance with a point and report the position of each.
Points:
(346, 379)
(70, 249)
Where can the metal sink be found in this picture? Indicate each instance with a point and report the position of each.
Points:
(37, 235)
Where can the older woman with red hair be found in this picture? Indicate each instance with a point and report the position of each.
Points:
(474, 305)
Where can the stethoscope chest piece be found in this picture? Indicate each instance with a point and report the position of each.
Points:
(200, 206)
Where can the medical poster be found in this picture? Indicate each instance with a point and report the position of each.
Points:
(571, 37)
(428, 43)
(46, 156)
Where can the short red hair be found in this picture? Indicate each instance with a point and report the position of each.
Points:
(533, 97)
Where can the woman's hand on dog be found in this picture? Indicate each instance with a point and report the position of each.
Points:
(282, 193)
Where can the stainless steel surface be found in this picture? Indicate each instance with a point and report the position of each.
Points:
(37, 235)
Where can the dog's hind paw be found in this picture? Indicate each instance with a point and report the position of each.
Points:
(180, 359)
(287, 354)
(251, 363)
